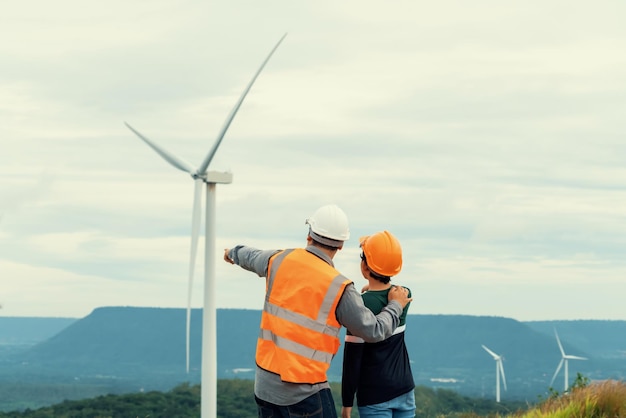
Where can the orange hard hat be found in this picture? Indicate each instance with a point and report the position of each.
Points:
(383, 253)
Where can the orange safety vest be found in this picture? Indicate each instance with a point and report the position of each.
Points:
(299, 329)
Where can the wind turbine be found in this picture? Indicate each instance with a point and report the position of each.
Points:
(499, 372)
(564, 360)
(210, 178)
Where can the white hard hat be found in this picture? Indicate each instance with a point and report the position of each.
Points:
(329, 222)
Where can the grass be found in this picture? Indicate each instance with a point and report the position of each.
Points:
(605, 399)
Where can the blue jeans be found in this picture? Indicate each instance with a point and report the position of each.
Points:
(401, 407)
(318, 405)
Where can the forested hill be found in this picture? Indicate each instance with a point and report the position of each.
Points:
(130, 341)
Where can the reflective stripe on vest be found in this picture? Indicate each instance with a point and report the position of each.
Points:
(299, 330)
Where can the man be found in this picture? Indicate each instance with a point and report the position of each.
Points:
(306, 302)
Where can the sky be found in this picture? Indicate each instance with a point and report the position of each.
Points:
(488, 136)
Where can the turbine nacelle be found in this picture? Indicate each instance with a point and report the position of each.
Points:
(217, 177)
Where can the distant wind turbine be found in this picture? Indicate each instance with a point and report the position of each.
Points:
(210, 178)
(499, 372)
(564, 359)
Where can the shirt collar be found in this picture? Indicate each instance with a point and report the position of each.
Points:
(321, 254)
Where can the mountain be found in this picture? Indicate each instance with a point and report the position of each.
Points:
(18, 334)
(448, 348)
(30, 330)
(129, 340)
(147, 346)
(604, 339)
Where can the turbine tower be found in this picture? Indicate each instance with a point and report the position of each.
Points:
(499, 372)
(210, 179)
(564, 360)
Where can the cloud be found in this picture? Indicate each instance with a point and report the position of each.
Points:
(485, 136)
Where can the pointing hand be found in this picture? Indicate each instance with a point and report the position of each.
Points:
(226, 257)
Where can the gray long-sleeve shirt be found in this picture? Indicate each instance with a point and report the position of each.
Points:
(350, 312)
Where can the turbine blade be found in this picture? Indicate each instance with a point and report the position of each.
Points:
(575, 357)
(560, 345)
(195, 231)
(558, 369)
(495, 356)
(205, 164)
(501, 368)
(166, 155)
